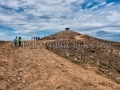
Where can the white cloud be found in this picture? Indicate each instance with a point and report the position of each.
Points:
(89, 4)
(33, 16)
(114, 15)
(110, 4)
(1, 34)
(102, 4)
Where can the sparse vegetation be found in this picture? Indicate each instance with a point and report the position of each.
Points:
(103, 58)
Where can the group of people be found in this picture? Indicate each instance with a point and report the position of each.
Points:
(36, 38)
(17, 41)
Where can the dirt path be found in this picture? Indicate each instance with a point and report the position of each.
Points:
(40, 69)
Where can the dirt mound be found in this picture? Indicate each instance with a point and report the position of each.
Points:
(66, 34)
(71, 35)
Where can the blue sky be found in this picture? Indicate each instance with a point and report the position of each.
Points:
(26, 18)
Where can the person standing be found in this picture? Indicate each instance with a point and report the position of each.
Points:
(20, 41)
(38, 38)
(34, 38)
(31, 38)
(15, 41)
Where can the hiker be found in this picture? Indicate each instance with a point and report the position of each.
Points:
(20, 40)
(34, 38)
(31, 38)
(15, 41)
(38, 38)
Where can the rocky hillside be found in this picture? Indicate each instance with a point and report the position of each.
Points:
(84, 49)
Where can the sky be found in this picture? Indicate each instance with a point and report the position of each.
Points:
(27, 18)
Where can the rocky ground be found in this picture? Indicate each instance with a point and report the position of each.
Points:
(40, 69)
(106, 59)
(83, 49)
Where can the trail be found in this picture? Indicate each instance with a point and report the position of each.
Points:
(40, 69)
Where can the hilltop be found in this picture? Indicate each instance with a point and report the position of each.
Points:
(72, 35)
(65, 34)
(87, 50)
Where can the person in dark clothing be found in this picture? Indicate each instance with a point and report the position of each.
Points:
(20, 41)
(38, 38)
(34, 38)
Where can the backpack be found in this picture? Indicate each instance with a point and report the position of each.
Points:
(20, 40)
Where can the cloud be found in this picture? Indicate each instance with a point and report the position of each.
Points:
(110, 4)
(43, 17)
(1, 34)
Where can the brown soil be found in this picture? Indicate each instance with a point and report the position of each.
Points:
(66, 34)
(40, 69)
